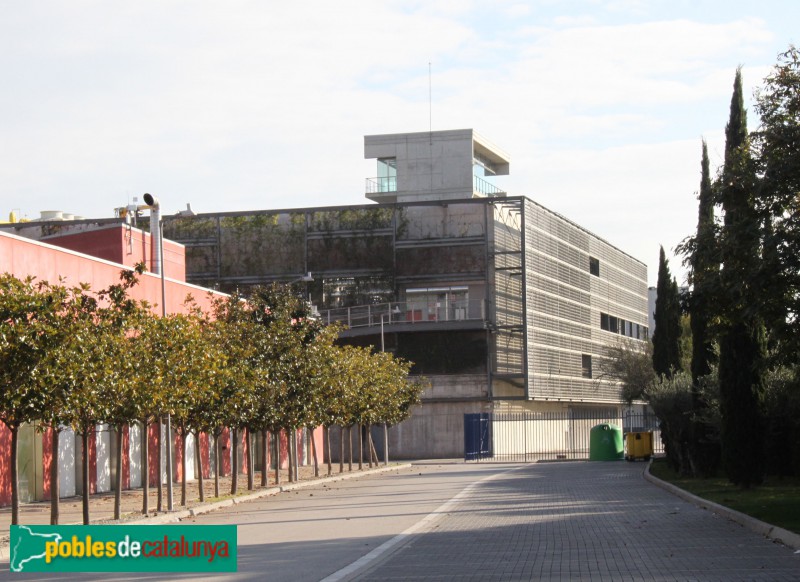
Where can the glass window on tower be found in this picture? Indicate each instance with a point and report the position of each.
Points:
(387, 174)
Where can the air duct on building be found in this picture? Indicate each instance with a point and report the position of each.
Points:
(155, 231)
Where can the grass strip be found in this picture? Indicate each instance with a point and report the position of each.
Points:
(776, 502)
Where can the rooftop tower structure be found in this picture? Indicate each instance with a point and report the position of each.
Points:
(438, 165)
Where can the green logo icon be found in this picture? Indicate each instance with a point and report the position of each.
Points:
(123, 548)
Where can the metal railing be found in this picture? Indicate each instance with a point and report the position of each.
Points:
(410, 312)
(485, 188)
(546, 436)
(382, 184)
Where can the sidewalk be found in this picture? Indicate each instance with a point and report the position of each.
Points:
(101, 505)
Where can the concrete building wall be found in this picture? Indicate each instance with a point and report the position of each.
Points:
(433, 165)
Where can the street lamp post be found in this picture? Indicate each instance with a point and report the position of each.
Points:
(157, 229)
(295, 456)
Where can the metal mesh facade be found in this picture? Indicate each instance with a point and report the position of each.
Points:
(548, 296)
(573, 277)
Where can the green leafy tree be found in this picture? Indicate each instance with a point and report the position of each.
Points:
(245, 343)
(666, 338)
(776, 146)
(630, 363)
(29, 330)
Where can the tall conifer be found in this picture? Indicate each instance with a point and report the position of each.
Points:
(704, 272)
(742, 346)
(704, 276)
(667, 316)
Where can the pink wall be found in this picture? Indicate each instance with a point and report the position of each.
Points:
(205, 454)
(119, 244)
(24, 257)
(225, 452)
(5, 465)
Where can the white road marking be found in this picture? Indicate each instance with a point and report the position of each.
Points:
(364, 561)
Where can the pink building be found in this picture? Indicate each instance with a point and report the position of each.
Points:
(96, 257)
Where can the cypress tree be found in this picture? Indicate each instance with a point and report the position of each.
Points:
(742, 345)
(704, 273)
(667, 316)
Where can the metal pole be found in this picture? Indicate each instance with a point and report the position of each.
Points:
(382, 346)
(170, 505)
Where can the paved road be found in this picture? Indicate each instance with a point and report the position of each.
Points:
(559, 521)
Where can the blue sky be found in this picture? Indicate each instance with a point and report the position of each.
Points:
(241, 105)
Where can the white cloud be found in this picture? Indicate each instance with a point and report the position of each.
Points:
(243, 105)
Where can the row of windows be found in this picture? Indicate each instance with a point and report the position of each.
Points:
(623, 327)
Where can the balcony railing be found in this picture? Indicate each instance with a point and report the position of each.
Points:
(486, 188)
(378, 185)
(406, 312)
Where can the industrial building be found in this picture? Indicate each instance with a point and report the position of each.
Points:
(502, 304)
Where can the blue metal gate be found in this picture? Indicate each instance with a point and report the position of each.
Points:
(477, 436)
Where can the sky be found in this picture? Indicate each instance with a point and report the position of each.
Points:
(252, 105)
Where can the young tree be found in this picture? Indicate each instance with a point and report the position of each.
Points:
(666, 338)
(742, 337)
(630, 364)
(29, 330)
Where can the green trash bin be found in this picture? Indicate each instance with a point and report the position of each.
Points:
(605, 443)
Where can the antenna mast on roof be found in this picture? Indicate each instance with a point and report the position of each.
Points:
(430, 104)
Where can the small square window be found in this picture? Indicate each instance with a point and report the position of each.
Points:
(586, 366)
(594, 266)
(604, 323)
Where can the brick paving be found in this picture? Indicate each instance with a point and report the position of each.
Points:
(582, 521)
(101, 506)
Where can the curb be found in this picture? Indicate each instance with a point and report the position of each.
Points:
(763, 528)
(176, 516)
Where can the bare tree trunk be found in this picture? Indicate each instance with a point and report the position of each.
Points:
(264, 457)
(234, 461)
(145, 467)
(385, 444)
(291, 443)
(298, 449)
(369, 443)
(183, 466)
(216, 465)
(118, 476)
(328, 443)
(276, 438)
(14, 475)
(250, 458)
(55, 489)
(360, 447)
(350, 442)
(85, 466)
(296, 444)
(199, 454)
(314, 453)
(160, 478)
(373, 452)
(341, 449)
